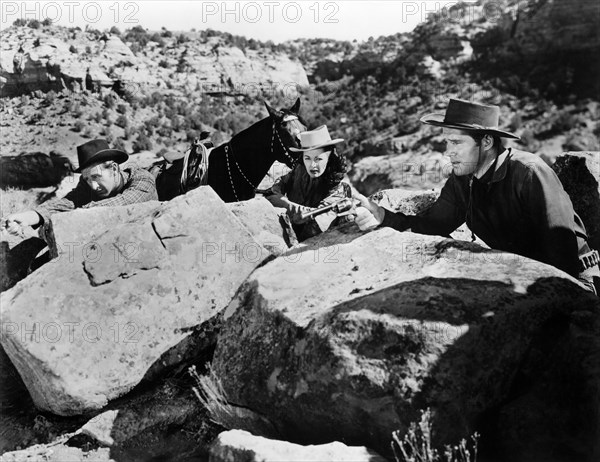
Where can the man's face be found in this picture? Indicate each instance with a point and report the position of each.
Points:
(462, 150)
(104, 181)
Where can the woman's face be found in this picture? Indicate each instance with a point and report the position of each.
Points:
(315, 161)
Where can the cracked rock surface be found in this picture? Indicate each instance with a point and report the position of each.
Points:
(134, 291)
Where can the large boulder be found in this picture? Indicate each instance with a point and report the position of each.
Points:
(72, 235)
(140, 298)
(406, 201)
(239, 445)
(579, 172)
(411, 170)
(415, 202)
(270, 226)
(367, 329)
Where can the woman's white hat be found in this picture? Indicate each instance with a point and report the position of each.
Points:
(315, 139)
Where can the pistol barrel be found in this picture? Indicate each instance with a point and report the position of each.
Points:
(318, 211)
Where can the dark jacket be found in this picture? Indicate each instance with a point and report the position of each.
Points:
(518, 206)
(301, 189)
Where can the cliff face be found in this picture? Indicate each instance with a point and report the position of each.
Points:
(560, 24)
(534, 26)
(536, 59)
(57, 58)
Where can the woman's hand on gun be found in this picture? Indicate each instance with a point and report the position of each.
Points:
(295, 211)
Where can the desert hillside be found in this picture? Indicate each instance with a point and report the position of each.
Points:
(199, 329)
(149, 91)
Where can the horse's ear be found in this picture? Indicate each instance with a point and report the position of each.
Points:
(296, 107)
(274, 113)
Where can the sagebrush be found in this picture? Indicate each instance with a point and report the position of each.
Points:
(416, 445)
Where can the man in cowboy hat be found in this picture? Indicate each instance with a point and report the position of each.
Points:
(103, 183)
(511, 199)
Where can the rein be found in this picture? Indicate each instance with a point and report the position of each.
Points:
(229, 148)
(285, 151)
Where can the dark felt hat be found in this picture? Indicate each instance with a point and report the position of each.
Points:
(96, 151)
(466, 115)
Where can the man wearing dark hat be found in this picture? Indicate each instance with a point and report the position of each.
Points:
(103, 183)
(511, 199)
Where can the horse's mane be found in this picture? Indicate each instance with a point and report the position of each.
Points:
(244, 133)
(249, 130)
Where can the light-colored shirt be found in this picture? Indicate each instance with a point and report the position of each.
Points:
(138, 187)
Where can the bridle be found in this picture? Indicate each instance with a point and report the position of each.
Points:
(229, 148)
(287, 118)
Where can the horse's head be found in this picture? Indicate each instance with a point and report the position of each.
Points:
(287, 127)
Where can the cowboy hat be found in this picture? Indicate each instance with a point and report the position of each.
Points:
(96, 151)
(465, 115)
(315, 139)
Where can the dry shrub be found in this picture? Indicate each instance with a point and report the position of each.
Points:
(416, 445)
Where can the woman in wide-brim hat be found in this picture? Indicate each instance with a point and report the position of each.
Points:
(314, 182)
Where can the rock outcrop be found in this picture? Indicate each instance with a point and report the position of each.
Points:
(415, 202)
(86, 61)
(77, 62)
(270, 226)
(348, 336)
(567, 24)
(237, 446)
(407, 202)
(579, 172)
(141, 297)
(407, 171)
(253, 70)
(68, 234)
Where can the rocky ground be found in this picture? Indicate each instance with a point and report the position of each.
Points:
(333, 339)
(491, 347)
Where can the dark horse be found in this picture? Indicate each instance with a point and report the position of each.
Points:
(236, 168)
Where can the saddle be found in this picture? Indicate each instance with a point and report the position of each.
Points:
(177, 174)
(195, 166)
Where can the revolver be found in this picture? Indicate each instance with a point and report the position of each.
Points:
(341, 208)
